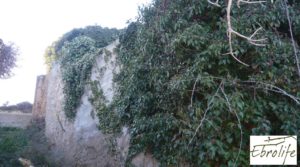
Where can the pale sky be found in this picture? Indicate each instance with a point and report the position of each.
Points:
(34, 24)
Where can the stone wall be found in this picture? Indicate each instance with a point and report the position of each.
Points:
(15, 119)
(39, 105)
(79, 142)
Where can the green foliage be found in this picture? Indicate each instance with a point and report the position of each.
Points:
(25, 143)
(12, 142)
(173, 63)
(8, 143)
(108, 119)
(8, 54)
(76, 64)
(50, 55)
(101, 36)
(75, 52)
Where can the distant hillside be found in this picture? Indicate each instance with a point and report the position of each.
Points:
(24, 107)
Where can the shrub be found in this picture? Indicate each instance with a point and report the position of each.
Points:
(187, 101)
(29, 143)
(8, 54)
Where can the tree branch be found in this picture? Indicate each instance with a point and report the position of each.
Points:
(194, 87)
(275, 89)
(209, 105)
(239, 123)
(248, 2)
(230, 30)
(214, 3)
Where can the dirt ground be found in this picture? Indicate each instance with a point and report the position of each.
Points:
(15, 119)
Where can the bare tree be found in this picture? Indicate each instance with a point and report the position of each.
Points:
(8, 55)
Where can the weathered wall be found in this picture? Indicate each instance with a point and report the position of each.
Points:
(39, 105)
(79, 142)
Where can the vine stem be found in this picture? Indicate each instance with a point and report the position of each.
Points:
(194, 87)
(292, 36)
(239, 124)
(209, 106)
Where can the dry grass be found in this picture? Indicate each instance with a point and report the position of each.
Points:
(15, 119)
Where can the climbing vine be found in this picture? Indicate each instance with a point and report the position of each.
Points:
(76, 52)
(184, 98)
(187, 101)
(101, 36)
(108, 120)
(76, 64)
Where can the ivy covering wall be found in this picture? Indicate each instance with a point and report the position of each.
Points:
(187, 101)
(75, 51)
(184, 98)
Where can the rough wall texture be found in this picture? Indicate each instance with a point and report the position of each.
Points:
(39, 106)
(79, 142)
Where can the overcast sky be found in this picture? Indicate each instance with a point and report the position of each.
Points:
(34, 24)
